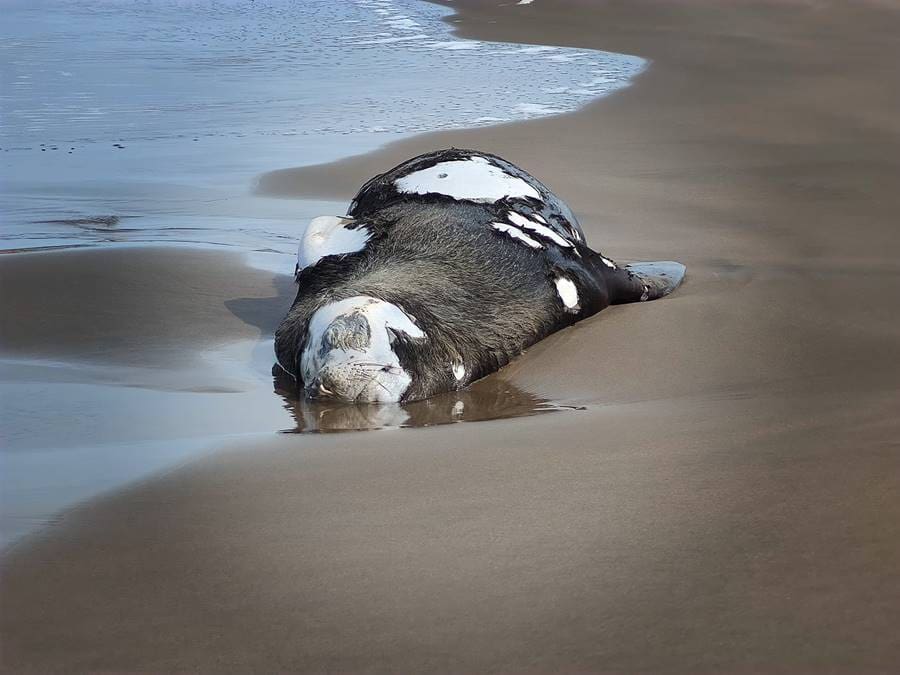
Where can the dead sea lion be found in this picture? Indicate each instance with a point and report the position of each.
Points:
(444, 269)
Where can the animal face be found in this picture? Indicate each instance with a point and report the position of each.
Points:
(348, 352)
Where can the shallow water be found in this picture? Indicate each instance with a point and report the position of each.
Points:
(73, 430)
(166, 111)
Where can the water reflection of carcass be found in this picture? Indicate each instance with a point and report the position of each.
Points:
(490, 398)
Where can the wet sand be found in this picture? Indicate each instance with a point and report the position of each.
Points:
(137, 306)
(726, 502)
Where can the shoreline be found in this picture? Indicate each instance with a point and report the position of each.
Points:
(341, 178)
(91, 359)
(188, 173)
(726, 502)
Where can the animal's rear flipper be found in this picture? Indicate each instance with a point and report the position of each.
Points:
(638, 282)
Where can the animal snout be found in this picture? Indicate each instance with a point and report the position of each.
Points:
(326, 385)
(369, 382)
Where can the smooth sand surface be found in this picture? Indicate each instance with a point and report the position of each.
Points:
(727, 502)
(136, 306)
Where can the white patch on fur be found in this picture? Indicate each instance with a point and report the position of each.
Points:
(538, 216)
(608, 262)
(567, 291)
(372, 373)
(516, 233)
(538, 229)
(329, 235)
(474, 179)
(459, 371)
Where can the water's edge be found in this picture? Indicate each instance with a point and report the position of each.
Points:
(195, 217)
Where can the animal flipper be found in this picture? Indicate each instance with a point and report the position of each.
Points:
(638, 282)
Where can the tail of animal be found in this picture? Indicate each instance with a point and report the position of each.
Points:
(638, 282)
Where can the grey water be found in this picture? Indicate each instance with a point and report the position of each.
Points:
(162, 113)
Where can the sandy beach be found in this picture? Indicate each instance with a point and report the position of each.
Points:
(722, 494)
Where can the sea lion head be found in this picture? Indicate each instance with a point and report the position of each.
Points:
(349, 351)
